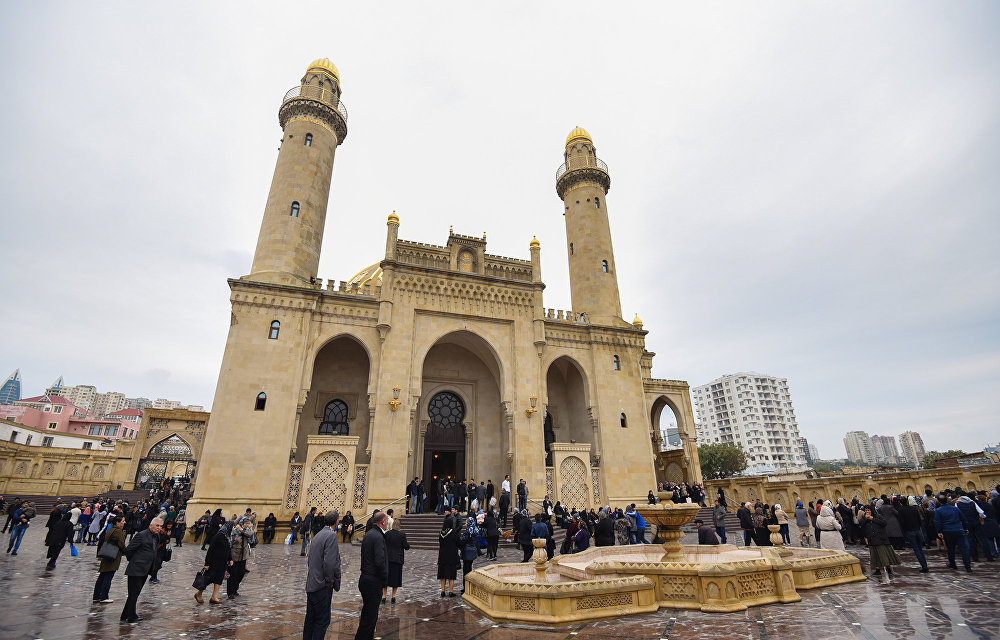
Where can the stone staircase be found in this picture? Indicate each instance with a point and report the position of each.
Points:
(422, 529)
(705, 513)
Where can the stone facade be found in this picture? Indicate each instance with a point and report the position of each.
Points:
(436, 361)
(168, 444)
(786, 490)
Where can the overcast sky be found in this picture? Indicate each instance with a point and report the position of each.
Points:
(808, 190)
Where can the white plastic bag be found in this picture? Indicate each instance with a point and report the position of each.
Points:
(288, 539)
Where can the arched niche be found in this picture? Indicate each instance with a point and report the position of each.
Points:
(340, 372)
(566, 395)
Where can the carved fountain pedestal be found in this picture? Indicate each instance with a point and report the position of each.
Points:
(669, 518)
(540, 557)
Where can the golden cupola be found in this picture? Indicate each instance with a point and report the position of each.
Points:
(578, 133)
(324, 64)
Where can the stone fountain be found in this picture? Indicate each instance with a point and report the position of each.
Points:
(604, 582)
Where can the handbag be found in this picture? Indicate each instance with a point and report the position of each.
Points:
(168, 553)
(108, 551)
(73, 551)
(200, 581)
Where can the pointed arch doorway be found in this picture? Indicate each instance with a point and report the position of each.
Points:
(444, 443)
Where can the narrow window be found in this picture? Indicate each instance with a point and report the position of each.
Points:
(624, 421)
(295, 209)
(273, 333)
(261, 401)
(604, 265)
(597, 202)
(88, 445)
(570, 248)
(618, 363)
(309, 139)
(47, 441)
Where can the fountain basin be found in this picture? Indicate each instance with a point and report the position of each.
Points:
(604, 582)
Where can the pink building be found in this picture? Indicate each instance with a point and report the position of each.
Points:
(56, 413)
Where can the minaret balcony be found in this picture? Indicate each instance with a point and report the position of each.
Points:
(315, 101)
(582, 169)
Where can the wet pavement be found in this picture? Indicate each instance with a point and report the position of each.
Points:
(57, 604)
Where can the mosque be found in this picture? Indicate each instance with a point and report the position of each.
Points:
(435, 361)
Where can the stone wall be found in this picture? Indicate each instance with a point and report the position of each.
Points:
(786, 490)
(26, 470)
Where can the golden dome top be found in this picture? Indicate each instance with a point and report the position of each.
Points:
(324, 64)
(369, 275)
(535, 244)
(637, 323)
(393, 218)
(578, 132)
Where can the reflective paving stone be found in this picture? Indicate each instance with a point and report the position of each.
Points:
(57, 604)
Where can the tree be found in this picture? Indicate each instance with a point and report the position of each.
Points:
(825, 466)
(721, 460)
(931, 458)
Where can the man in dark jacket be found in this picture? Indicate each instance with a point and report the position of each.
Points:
(746, 523)
(323, 579)
(974, 517)
(524, 536)
(706, 533)
(952, 527)
(307, 528)
(504, 504)
(374, 575)
(141, 554)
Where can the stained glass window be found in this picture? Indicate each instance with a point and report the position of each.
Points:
(446, 410)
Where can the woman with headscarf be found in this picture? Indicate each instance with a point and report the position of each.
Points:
(447, 562)
(180, 525)
(239, 553)
(217, 560)
(874, 529)
(572, 527)
(604, 532)
(621, 528)
(470, 547)
(491, 530)
(761, 536)
(60, 533)
(782, 519)
(827, 522)
(892, 527)
(213, 527)
(114, 534)
(909, 518)
(96, 525)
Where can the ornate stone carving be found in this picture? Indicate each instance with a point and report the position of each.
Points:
(48, 470)
(21, 469)
(573, 482)
(294, 487)
(360, 486)
(595, 485)
(72, 470)
(755, 585)
(831, 572)
(98, 473)
(520, 603)
(679, 588)
(605, 600)
(550, 481)
(328, 481)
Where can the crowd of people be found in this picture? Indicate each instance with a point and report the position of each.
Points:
(959, 523)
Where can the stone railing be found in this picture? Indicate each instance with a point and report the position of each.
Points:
(368, 290)
(560, 315)
(319, 94)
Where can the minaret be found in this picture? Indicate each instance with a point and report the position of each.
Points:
(582, 182)
(314, 122)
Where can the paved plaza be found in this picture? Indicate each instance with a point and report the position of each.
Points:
(57, 604)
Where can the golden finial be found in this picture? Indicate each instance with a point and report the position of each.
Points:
(637, 323)
(484, 236)
(535, 244)
(393, 218)
(451, 229)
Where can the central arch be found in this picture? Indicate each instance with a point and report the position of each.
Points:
(461, 376)
(568, 415)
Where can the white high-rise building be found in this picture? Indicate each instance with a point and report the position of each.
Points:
(859, 447)
(753, 411)
(885, 449)
(913, 447)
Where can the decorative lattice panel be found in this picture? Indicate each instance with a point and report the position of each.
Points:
(48, 470)
(679, 588)
(573, 485)
(520, 603)
(294, 488)
(831, 572)
(360, 486)
(72, 471)
(754, 585)
(550, 481)
(604, 601)
(595, 485)
(328, 482)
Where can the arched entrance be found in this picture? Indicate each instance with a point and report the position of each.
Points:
(169, 457)
(460, 373)
(444, 441)
(668, 429)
